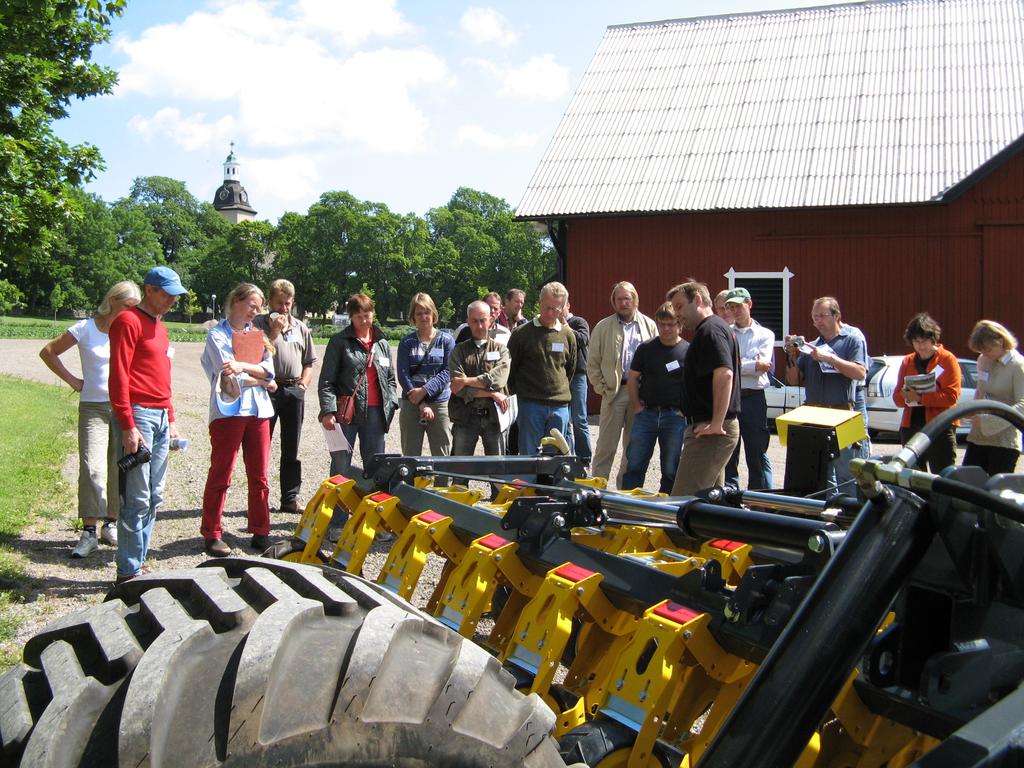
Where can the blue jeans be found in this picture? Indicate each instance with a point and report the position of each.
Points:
(666, 425)
(754, 436)
(579, 435)
(840, 476)
(371, 441)
(143, 491)
(536, 420)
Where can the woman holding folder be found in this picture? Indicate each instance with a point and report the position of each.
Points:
(928, 384)
(237, 361)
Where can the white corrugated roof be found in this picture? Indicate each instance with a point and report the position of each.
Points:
(865, 104)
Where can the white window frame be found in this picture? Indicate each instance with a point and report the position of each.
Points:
(785, 275)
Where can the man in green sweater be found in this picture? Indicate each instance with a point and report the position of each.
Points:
(543, 356)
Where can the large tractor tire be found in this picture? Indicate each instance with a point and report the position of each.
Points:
(263, 663)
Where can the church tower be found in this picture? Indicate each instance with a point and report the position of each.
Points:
(231, 199)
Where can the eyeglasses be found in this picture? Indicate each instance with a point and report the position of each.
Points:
(821, 317)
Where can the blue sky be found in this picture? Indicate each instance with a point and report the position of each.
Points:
(396, 102)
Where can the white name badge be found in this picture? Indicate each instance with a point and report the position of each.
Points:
(492, 355)
(672, 365)
(170, 352)
(982, 375)
(438, 353)
(938, 370)
(557, 346)
(384, 362)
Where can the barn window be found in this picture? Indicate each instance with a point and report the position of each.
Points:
(769, 293)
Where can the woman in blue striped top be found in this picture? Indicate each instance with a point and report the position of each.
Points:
(425, 381)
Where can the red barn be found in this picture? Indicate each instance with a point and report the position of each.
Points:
(867, 151)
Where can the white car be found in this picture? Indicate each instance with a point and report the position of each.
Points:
(883, 413)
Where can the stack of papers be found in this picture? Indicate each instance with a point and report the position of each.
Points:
(921, 383)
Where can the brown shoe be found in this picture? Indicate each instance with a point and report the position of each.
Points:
(291, 507)
(122, 579)
(216, 548)
(261, 543)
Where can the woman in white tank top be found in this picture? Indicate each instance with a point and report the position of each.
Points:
(98, 435)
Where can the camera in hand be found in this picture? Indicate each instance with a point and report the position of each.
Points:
(133, 460)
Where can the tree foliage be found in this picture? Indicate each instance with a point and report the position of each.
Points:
(45, 50)
(341, 246)
(476, 242)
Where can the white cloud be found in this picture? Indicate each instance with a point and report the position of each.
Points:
(281, 77)
(481, 137)
(192, 132)
(484, 26)
(541, 78)
(289, 179)
(353, 21)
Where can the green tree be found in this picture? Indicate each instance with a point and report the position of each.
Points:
(10, 296)
(139, 247)
(58, 299)
(190, 306)
(45, 51)
(243, 254)
(343, 243)
(91, 252)
(183, 226)
(475, 241)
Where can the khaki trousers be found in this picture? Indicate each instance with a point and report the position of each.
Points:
(438, 432)
(98, 439)
(616, 422)
(702, 463)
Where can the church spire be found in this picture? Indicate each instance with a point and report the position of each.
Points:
(231, 199)
(231, 165)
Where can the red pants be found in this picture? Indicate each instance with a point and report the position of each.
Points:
(226, 435)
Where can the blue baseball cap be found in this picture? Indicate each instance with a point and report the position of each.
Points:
(167, 279)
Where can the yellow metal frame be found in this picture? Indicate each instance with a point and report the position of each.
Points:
(312, 526)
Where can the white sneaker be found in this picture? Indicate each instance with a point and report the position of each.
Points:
(85, 546)
(108, 533)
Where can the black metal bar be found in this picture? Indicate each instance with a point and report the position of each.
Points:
(990, 740)
(805, 669)
(701, 519)
(387, 469)
(784, 503)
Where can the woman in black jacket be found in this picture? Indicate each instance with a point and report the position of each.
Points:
(358, 361)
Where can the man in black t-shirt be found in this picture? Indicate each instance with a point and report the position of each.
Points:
(655, 386)
(711, 391)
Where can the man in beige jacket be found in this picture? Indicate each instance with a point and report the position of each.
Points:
(612, 344)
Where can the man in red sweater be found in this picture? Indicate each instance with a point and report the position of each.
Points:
(140, 395)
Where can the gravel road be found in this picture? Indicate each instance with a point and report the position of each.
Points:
(57, 584)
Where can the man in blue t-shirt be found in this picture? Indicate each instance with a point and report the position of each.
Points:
(830, 370)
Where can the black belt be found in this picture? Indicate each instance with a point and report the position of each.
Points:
(749, 392)
(481, 411)
(660, 407)
(289, 382)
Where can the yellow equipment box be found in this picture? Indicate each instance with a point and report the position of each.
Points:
(849, 425)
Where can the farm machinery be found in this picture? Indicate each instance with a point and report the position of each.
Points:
(561, 623)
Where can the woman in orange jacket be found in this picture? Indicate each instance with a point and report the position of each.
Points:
(924, 402)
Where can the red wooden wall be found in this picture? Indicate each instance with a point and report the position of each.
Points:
(959, 261)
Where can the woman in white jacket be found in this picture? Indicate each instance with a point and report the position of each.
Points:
(994, 443)
(237, 361)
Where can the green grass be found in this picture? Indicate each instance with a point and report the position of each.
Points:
(39, 432)
(46, 328)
